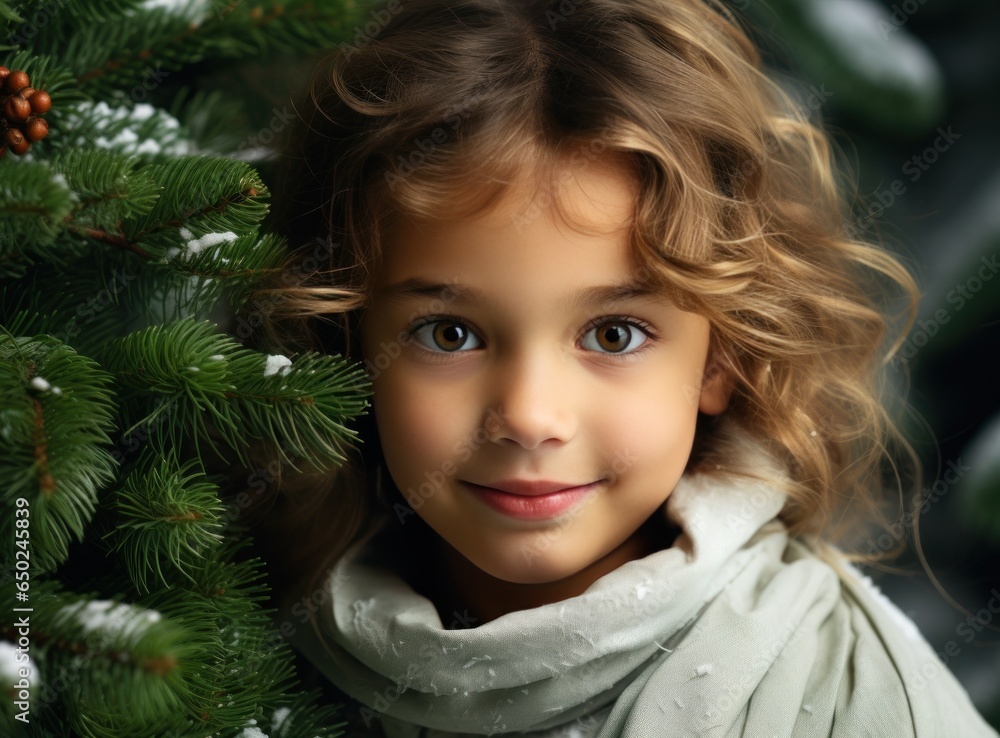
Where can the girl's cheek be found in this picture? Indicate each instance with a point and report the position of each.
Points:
(415, 422)
(654, 426)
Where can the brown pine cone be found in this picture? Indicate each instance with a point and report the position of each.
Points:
(17, 142)
(15, 81)
(40, 102)
(21, 108)
(36, 129)
(17, 109)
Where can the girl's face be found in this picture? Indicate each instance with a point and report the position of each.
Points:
(511, 349)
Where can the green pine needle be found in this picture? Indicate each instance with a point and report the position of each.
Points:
(36, 202)
(54, 423)
(303, 405)
(125, 669)
(198, 375)
(7, 13)
(169, 515)
(249, 662)
(213, 195)
(108, 188)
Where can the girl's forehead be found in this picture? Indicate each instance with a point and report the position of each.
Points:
(523, 242)
(594, 195)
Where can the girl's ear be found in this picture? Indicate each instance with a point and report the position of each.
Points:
(716, 388)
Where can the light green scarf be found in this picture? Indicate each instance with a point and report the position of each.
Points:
(735, 630)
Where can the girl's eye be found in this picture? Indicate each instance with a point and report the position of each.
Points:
(443, 335)
(615, 336)
(618, 337)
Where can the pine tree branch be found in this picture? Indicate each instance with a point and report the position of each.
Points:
(46, 484)
(33, 207)
(260, 21)
(175, 41)
(123, 243)
(58, 414)
(189, 515)
(224, 203)
(168, 512)
(130, 665)
(160, 665)
(104, 237)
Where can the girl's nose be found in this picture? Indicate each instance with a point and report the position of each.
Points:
(537, 402)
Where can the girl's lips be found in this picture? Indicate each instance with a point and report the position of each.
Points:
(537, 507)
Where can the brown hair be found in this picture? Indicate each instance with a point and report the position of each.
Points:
(740, 215)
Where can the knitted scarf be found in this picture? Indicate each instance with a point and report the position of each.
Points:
(736, 629)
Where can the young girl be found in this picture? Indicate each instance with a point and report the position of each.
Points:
(627, 358)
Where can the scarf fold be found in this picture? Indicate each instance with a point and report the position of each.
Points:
(734, 630)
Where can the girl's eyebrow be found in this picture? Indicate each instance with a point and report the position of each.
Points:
(454, 292)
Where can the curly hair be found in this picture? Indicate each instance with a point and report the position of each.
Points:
(741, 216)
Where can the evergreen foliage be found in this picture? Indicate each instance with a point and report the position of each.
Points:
(124, 234)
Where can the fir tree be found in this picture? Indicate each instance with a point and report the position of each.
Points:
(131, 219)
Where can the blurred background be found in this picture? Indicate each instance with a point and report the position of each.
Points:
(910, 94)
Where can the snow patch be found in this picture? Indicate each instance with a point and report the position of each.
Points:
(143, 111)
(210, 239)
(253, 733)
(277, 364)
(137, 129)
(121, 140)
(114, 619)
(149, 146)
(279, 718)
(195, 246)
(42, 385)
(60, 180)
